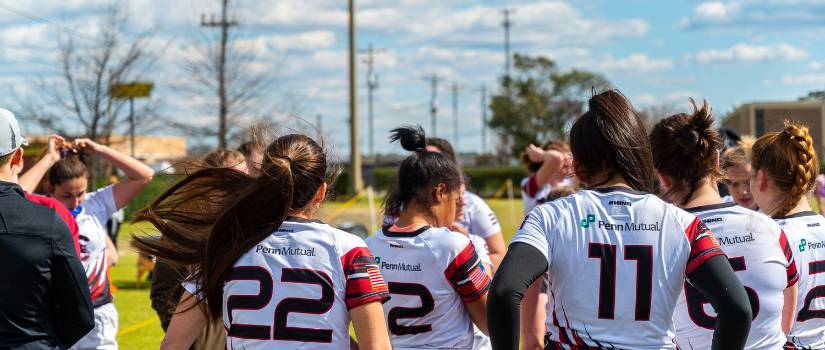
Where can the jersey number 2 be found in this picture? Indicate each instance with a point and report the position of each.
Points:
(280, 331)
(814, 267)
(643, 254)
(427, 306)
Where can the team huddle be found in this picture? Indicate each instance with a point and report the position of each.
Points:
(626, 244)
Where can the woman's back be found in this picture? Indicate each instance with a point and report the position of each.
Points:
(617, 260)
(431, 273)
(760, 254)
(293, 290)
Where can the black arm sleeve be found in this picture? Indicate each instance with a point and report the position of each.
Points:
(522, 265)
(165, 291)
(75, 315)
(718, 283)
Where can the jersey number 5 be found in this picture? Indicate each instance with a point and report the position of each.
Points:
(696, 302)
(280, 329)
(643, 254)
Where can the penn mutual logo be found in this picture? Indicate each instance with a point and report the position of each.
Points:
(802, 245)
(589, 220)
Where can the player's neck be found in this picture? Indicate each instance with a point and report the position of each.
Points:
(414, 215)
(706, 194)
(615, 181)
(7, 175)
(802, 205)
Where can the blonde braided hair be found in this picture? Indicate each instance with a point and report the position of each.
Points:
(789, 159)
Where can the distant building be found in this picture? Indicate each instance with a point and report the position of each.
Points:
(148, 148)
(759, 118)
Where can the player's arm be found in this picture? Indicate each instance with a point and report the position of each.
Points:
(187, 323)
(370, 327)
(138, 174)
(522, 265)
(478, 313)
(31, 178)
(533, 315)
(75, 314)
(111, 252)
(496, 248)
(789, 308)
(717, 282)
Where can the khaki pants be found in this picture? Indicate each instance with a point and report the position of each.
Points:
(213, 337)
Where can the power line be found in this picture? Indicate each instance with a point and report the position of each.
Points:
(455, 87)
(372, 84)
(506, 23)
(36, 18)
(223, 106)
(433, 79)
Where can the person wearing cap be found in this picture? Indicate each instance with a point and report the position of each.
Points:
(47, 306)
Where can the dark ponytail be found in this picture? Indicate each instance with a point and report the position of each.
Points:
(419, 172)
(214, 216)
(685, 149)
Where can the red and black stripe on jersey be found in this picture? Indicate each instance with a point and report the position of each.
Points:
(98, 281)
(364, 281)
(793, 275)
(703, 245)
(467, 276)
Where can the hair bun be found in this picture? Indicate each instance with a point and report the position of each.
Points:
(411, 136)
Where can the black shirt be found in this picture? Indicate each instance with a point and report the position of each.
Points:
(44, 296)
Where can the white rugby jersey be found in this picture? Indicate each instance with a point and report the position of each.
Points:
(91, 219)
(759, 252)
(431, 273)
(294, 289)
(478, 218)
(531, 192)
(617, 260)
(806, 234)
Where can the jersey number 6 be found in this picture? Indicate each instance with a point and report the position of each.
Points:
(696, 302)
(280, 331)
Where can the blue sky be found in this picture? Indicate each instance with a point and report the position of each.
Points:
(656, 52)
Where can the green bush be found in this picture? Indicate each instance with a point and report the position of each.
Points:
(159, 183)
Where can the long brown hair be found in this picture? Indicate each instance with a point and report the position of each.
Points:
(610, 139)
(788, 157)
(685, 148)
(211, 218)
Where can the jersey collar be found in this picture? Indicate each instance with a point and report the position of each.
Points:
(400, 234)
(702, 208)
(616, 189)
(797, 215)
(302, 220)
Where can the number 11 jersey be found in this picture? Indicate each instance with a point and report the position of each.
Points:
(617, 259)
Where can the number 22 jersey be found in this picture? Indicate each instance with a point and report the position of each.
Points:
(294, 289)
(616, 264)
(806, 233)
(431, 273)
(759, 252)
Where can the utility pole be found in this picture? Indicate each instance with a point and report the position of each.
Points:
(433, 79)
(454, 88)
(355, 149)
(223, 107)
(483, 118)
(372, 84)
(506, 23)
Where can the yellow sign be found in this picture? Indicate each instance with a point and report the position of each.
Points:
(131, 90)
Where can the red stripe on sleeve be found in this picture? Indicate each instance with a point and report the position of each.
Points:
(791, 272)
(364, 281)
(467, 276)
(703, 245)
(532, 186)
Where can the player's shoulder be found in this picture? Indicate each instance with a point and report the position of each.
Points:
(442, 240)
(332, 235)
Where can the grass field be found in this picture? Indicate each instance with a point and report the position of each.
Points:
(139, 326)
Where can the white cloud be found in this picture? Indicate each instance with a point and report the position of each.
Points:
(305, 41)
(816, 66)
(752, 53)
(804, 79)
(637, 62)
(712, 11)
(677, 99)
(757, 15)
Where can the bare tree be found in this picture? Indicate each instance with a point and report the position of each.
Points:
(228, 72)
(77, 102)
